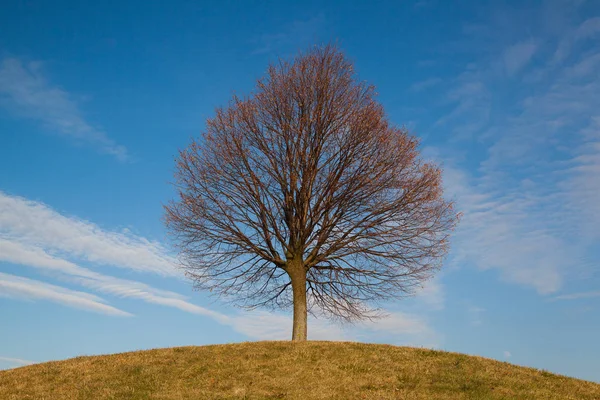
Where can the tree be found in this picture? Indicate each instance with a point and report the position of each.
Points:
(303, 194)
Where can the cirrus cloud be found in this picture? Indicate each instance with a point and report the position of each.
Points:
(26, 92)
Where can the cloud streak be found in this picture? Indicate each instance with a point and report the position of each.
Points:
(588, 29)
(18, 253)
(26, 92)
(432, 294)
(517, 56)
(425, 84)
(13, 286)
(21, 218)
(255, 324)
(578, 296)
(405, 328)
(15, 362)
(529, 192)
(504, 232)
(34, 235)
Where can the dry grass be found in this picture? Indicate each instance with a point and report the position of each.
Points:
(285, 370)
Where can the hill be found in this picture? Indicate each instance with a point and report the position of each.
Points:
(286, 370)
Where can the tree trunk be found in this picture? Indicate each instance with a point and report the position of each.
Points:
(298, 278)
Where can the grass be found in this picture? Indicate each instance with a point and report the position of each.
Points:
(285, 370)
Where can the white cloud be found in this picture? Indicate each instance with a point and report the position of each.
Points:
(471, 102)
(36, 224)
(13, 286)
(425, 84)
(397, 323)
(30, 230)
(517, 56)
(530, 205)
(432, 294)
(10, 362)
(475, 315)
(588, 29)
(404, 328)
(504, 231)
(16, 361)
(582, 187)
(34, 235)
(275, 326)
(506, 354)
(18, 253)
(584, 68)
(25, 91)
(577, 296)
(255, 324)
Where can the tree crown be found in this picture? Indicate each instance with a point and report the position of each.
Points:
(308, 176)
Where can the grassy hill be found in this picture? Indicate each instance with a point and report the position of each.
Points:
(285, 370)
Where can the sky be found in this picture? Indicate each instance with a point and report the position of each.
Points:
(96, 99)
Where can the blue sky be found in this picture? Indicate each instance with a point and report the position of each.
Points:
(96, 99)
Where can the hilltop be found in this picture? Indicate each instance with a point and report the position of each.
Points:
(286, 370)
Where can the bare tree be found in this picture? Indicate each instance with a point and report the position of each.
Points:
(304, 195)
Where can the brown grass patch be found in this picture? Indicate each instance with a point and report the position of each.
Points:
(286, 370)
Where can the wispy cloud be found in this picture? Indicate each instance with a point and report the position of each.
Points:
(15, 362)
(405, 328)
(277, 326)
(18, 253)
(582, 186)
(432, 294)
(577, 296)
(397, 323)
(36, 224)
(588, 29)
(504, 231)
(529, 192)
(585, 67)
(18, 287)
(471, 102)
(34, 235)
(517, 56)
(425, 84)
(293, 37)
(475, 315)
(255, 324)
(25, 91)
(506, 354)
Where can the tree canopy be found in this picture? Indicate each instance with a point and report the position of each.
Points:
(304, 195)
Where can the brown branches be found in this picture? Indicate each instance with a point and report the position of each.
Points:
(306, 178)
